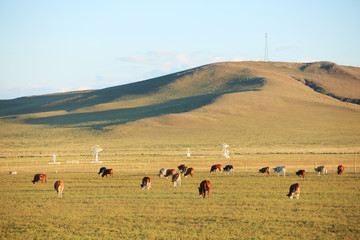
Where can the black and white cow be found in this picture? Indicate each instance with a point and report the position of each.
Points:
(228, 169)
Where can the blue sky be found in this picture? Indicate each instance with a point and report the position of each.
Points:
(57, 46)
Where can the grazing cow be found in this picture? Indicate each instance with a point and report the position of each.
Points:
(279, 169)
(59, 187)
(182, 168)
(215, 167)
(265, 170)
(176, 179)
(301, 173)
(161, 172)
(39, 177)
(169, 172)
(294, 190)
(321, 169)
(101, 170)
(228, 169)
(12, 172)
(205, 186)
(340, 169)
(146, 183)
(108, 171)
(189, 171)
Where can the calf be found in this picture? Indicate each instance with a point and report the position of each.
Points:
(321, 169)
(294, 190)
(182, 168)
(169, 172)
(265, 170)
(108, 171)
(279, 169)
(101, 170)
(340, 169)
(161, 172)
(189, 171)
(228, 169)
(301, 173)
(146, 183)
(176, 179)
(39, 177)
(205, 186)
(215, 167)
(59, 187)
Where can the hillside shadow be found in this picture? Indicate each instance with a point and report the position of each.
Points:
(76, 100)
(102, 119)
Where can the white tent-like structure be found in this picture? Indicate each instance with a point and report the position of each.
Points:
(54, 160)
(96, 149)
(226, 151)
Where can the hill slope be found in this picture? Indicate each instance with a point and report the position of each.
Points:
(252, 104)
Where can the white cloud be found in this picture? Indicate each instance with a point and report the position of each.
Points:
(82, 88)
(166, 61)
(65, 90)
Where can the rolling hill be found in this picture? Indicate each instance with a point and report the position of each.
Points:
(260, 105)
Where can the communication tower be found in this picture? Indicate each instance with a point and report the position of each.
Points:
(266, 55)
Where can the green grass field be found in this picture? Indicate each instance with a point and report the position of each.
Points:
(246, 205)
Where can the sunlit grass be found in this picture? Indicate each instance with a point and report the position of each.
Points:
(243, 205)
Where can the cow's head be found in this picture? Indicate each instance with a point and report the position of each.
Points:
(201, 192)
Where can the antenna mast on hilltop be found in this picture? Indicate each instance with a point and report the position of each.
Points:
(266, 55)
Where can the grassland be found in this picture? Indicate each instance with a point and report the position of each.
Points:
(245, 205)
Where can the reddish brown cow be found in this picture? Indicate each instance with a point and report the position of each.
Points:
(301, 173)
(59, 187)
(265, 170)
(39, 177)
(340, 169)
(294, 190)
(169, 172)
(205, 186)
(190, 171)
(108, 171)
(146, 182)
(215, 167)
(182, 168)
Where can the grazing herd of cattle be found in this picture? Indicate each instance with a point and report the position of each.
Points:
(205, 186)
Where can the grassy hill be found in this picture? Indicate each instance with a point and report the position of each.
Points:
(257, 106)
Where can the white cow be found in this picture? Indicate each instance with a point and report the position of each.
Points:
(279, 169)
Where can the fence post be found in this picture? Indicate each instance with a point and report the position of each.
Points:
(354, 166)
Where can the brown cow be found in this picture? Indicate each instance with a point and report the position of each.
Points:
(294, 190)
(169, 172)
(39, 177)
(182, 168)
(340, 169)
(215, 167)
(176, 179)
(265, 170)
(59, 187)
(205, 186)
(190, 171)
(301, 173)
(146, 183)
(108, 171)
(321, 169)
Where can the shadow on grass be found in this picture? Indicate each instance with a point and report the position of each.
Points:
(102, 119)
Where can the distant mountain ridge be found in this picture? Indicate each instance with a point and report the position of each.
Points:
(177, 93)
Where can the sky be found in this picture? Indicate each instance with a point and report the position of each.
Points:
(59, 46)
